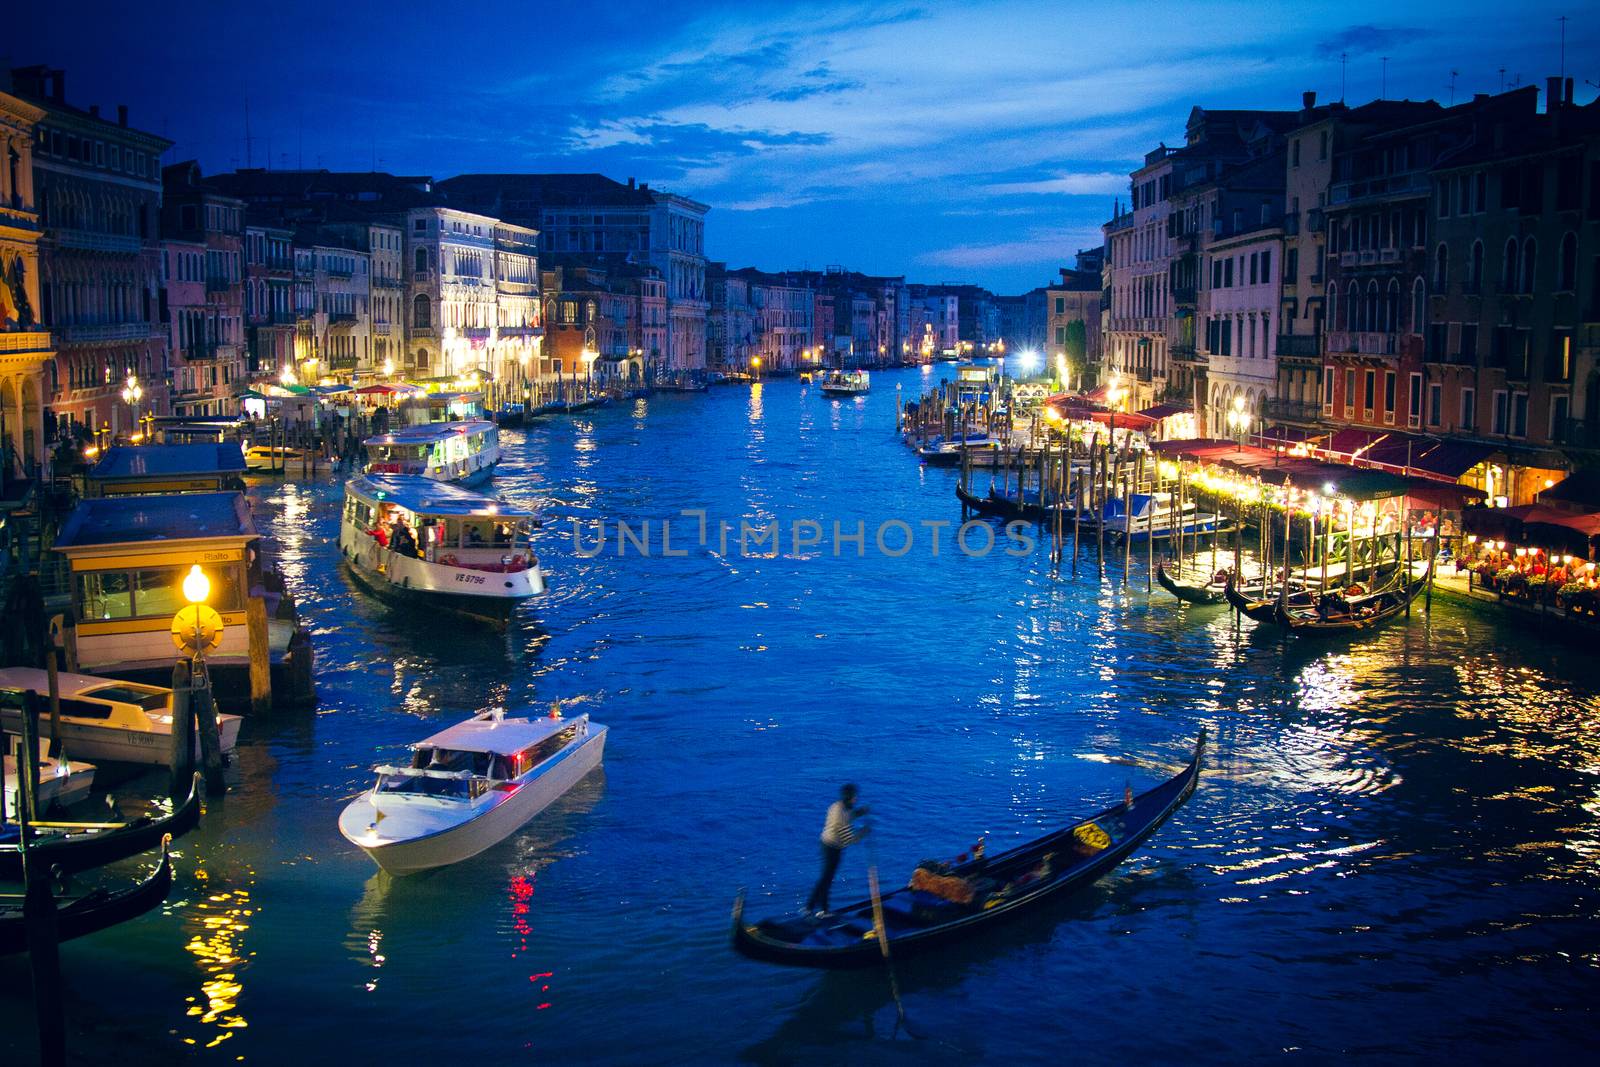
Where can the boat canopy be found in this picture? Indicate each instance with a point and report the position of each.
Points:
(429, 433)
(506, 737)
(428, 496)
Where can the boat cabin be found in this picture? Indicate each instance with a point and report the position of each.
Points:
(142, 470)
(88, 699)
(448, 524)
(470, 758)
(439, 407)
(435, 446)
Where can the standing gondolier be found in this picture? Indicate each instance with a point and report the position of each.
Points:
(838, 833)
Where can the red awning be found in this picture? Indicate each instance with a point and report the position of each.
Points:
(1164, 411)
(369, 390)
(1587, 524)
(1198, 447)
(1120, 420)
(1352, 441)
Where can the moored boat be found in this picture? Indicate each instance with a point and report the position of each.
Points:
(468, 788)
(62, 782)
(1154, 515)
(464, 452)
(965, 899)
(104, 720)
(942, 452)
(1190, 590)
(413, 539)
(73, 847)
(92, 912)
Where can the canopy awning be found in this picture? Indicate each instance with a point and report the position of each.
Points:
(1580, 487)
(1352, 441)
(1164, 411)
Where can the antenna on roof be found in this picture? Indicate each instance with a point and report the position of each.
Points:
(1344, 59)
(248, 157)
(1383, 93)
(1502, 79)
(1563, 20)
(1453, 75)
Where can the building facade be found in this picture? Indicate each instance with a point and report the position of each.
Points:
(25, 347)
(211, 366)
(452, 296)
(268, 300)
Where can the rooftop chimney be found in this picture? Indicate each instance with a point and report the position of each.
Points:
(1552, 95)
(58, 86)
(630, 181)
(122, 114)
(1308, 99)
(1566, 97)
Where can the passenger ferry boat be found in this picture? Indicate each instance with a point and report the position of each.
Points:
(466, 552)
(464, 452)
(846, 383)
(470, 787)
(104, 720)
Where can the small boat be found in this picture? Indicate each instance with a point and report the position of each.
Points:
(1026, 508)
(986, 891)
(104, 720)
(846, 383)
(62, 783)
(469, 787)
(464, 452)
(71, 848)
(1260, 602)
(1345, 611)
(1151, 515)
(90, 913)
(469, 553)
(1174, 582)
(940, 452)
(272, 457)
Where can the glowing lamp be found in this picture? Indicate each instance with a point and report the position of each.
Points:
(196, 586)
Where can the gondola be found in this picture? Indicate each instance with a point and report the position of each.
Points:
(1210, 593)
(84, 850)
(1004, 507)
(1337, 614)
(1264, 608)
(1002, 886)
(91, 912)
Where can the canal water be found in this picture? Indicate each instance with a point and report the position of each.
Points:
(1392, 851)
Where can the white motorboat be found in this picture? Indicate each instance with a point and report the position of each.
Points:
(846, 383)
(413, 539)
(61, 781)
(104, 720)
(1153, 516)
(465, 452)
(469, 787)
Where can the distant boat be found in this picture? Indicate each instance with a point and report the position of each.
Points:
(469, 553)
(942, 452)
(468, 788)
(966, 899)
(846, 383)
(272, 457)
(464, 452)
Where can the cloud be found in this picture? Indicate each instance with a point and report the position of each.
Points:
(1099, 183)
(1366, 40)
(1044, 245)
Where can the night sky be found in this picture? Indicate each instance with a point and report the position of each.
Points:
(978, 142)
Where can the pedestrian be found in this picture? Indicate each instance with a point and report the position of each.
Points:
(838, 833)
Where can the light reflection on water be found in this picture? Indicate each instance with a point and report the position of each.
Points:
(1393, 848)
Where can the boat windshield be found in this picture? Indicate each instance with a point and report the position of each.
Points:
(422, 783)
(144, 699)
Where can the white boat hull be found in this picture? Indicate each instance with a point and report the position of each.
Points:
(361, 826)
(482, 594)
(114, 744)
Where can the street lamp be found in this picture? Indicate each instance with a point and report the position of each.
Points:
(131, 392)
(1238, 420)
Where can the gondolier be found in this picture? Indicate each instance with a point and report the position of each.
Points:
(838, 833)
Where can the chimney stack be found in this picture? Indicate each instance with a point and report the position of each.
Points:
(122, 114)
(1566, 97)
(1308, 99)
(1552, 95)
(630, 181)
(58, 86)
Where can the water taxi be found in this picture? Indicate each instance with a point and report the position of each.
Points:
(104, 720)
(411, 538)
(62, 782)
(1152, 515)
(846, 383)
(464, 452)
(469, 787)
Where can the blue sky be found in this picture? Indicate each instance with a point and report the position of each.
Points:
(978, 142)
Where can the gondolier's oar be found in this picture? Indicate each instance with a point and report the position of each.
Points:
(883, 945)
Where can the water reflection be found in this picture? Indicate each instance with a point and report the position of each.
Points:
(218, 922)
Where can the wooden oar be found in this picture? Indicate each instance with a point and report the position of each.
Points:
(883, 945)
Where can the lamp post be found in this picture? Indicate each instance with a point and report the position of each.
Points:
(193, 711)
(131, 394)
(1238, 420)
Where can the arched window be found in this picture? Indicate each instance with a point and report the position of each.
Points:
(1567, 266)
(1475, 268)
(1530, 255)
(1508, 268)
(1441, 268)
(1419, 306)
(1332, 314)
(1370, 311)
(1391, 306)
(421, 313)
(422, 260)
(1352, 307)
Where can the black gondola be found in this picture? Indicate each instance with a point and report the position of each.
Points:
(1004, 507)
(91, 912)
(1210, 593)
(1335, 612)
(84, 850)
(1023, 877)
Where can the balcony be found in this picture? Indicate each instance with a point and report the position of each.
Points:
(340, 272)
(103, 332)
(1364, 343)
(1577, 433)
(1183, 294)
(342, 318)
(422, 275)
(1188, 354)
(1296, 346)
(92, 241)
(383, 281)
(1407, 183)
(1294, 410)
(200, 352)
(1143, 374)
(216, 283)
(381, 329)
